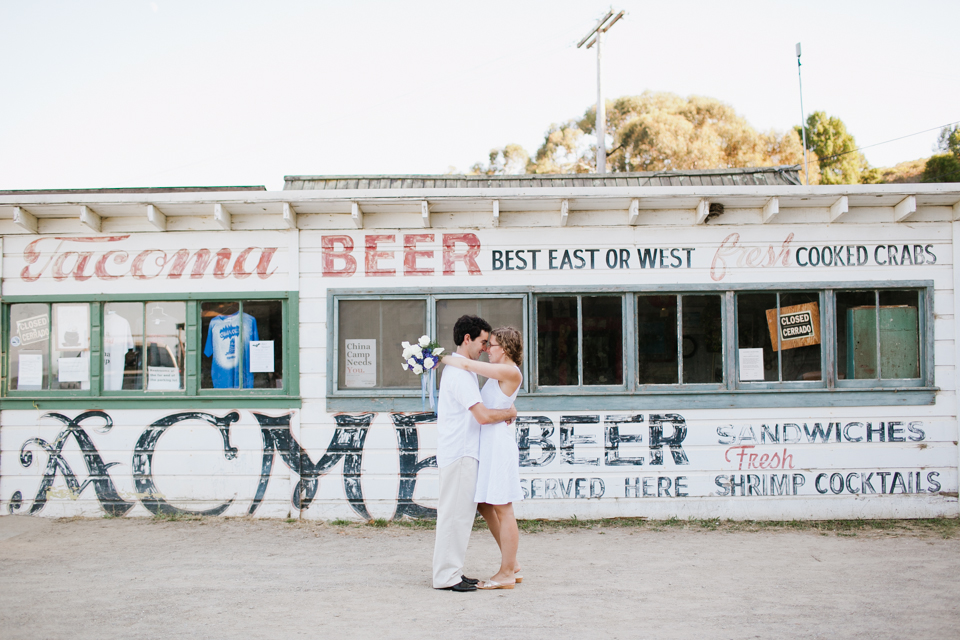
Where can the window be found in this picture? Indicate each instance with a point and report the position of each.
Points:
(679, 337)
(132, 329)
(147, 348)
(779, 337)
(579, 340)
(713, 347)
(878, 335)
(370, 333)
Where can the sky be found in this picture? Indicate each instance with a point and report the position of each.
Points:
(127, 93)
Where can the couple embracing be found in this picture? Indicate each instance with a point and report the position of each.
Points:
(477, 452)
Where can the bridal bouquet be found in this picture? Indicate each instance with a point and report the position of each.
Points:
(422, 358)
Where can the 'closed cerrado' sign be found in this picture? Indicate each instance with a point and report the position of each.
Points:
(799, 326)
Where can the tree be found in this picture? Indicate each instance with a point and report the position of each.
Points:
(657, 132)
(663, 131)
(945, 167)
(840, 162)
(510, 160)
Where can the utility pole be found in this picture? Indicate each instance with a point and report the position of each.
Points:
(803, 124)
(603, 25)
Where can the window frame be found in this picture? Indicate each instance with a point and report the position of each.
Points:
(288, 396)
(694, 386)
(633, 396)
(784, 384)
(580, 387)
(430, 328)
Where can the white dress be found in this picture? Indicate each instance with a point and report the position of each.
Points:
(498, 477)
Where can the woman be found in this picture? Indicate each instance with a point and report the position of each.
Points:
(498, 477)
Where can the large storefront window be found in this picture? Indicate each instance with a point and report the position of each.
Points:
(718, 347)
(878, 335)
(149, 348)
(369, 336)
(779, 337)
(580, 340)
(679, 337)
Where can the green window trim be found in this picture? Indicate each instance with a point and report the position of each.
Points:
(96, 397)
(731, 394)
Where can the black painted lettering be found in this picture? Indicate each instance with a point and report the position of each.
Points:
(593, 255)
(816, 483)
(612, 439)
(568, 439)
(497, 259)
(612, 259)
(507, 261)
(663, 487)
(521, 260)
(543, 427)
(533, 257)
(689, 251)
(895, 432)
(675, 441)
(647, 258)
(931, 480)
(624, 258)
(566, 261)
(914, 428)
(552, 258)
(680, 487)
(578, 256)
(929, 251)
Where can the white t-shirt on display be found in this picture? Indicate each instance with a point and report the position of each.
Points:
(458, 432)
(117, 340)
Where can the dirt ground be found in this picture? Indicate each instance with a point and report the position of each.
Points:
(220, 578)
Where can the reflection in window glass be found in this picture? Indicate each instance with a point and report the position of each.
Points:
(862, 331)
(369, 334)
(499, 312)
(657, 339)
(557, 342)
(702, 339)
(70, 353)
(29, 346)
(123, 346)
(165, 345)
(602, 340)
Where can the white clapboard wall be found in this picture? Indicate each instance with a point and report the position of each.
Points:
(265, 462)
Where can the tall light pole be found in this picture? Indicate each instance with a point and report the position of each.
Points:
(803, 125)
(603, 25)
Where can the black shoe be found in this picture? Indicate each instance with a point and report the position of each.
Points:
(461, 586)
(469, 580)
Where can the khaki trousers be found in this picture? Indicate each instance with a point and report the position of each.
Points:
(455, 514)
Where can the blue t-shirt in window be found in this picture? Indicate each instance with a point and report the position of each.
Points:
(223, 334)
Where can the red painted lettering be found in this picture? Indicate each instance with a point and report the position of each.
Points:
(201, 260)
(239, 269)
(266, 255)
(330, 255)
(220, 267)
(372, 256)
(468, 257)
(100, 269)
(759, 461)
(58, 273)
(410, 254)
(136, 268)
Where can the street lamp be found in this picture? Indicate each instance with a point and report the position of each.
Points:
(603, 25)
(803, 125)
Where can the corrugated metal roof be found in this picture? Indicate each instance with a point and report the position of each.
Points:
(31, 192)
(758, 176)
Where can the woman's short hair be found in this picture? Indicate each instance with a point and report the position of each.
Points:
(511, 341)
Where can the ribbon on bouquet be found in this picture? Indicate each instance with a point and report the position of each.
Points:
(431, 383)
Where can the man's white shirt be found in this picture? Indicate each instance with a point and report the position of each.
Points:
(458, 431)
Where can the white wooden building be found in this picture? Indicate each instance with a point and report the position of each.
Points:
(713, 344)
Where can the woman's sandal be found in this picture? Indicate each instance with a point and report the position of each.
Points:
(518, 577)
(493, 584)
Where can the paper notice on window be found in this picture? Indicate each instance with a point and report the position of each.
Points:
(261, 356)
(163, 379)
(360, 363)
(73, 328)
(30, 370)
(751, 364)
(73, 369)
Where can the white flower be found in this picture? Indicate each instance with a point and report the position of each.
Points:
(438, 351)
(417, 369)
(405, 366)
(405, 345)
(417, 351)
(424, 341)
(412, 362)
(429, 363)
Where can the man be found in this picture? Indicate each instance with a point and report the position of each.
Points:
(460, 412)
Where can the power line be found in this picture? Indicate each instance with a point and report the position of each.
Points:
(910, 135)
